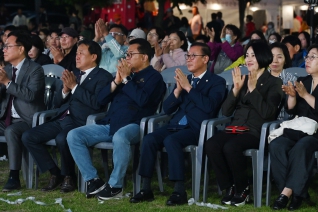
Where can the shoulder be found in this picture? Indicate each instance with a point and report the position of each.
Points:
(103, 72)
(304, 79)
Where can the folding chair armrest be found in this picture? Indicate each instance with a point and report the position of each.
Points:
(91, 119)
(274, 125)
(155, 121)
(215, 122)
(46, 115)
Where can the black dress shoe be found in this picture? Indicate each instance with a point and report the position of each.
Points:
(177, 199)
(240, 199)
(54, 182)
(295, 203)
(143, 195)
(68, 185)
(226, 200)
(280, 202)
(12, 184)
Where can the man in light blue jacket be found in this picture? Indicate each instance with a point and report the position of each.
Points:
(113, 47)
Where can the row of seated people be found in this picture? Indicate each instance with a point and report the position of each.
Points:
(255, 100)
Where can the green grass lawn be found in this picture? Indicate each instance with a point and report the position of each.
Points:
(76, 201)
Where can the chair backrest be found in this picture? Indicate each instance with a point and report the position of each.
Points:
(298, 72)
(53, 82)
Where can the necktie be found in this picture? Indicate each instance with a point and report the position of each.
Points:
(7, 121)
(78, 80)
(183, 120)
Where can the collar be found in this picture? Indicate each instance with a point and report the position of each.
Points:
(87, 71)
(200, 76)
(18, 67)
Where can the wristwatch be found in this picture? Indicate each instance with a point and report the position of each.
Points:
(126, 79)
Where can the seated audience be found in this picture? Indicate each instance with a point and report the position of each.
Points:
(76, 100)
(158, 41)
(134, 93)
(22, 86)
(254, 100)
(53, 42)
(35, 52)
(274, 37)
(196, 97)
(294, 47)
(202, 39)
(173, 54)
(225, 53)
(292, 157)
(304, 38)
(136, 33)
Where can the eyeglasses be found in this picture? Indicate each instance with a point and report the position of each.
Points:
(9, 46)
(65, 37)
(310, 58)
(152, 35)
(130, 54)
(116, 33)
(191, 56)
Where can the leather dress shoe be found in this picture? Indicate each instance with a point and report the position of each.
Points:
(143, 195)
(280, 202)
(177, 199)
(54, 182)
(295, 203)
(226, 200)
(12, 184)
(68, 185)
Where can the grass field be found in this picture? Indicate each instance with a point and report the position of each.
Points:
(76, 201)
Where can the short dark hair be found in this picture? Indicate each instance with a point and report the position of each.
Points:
(202, 37)
(249, 17)
(307, 37)
(279, 38)
(56, 31)
(22, 38)
(38, 43)
(144, 47)
(236, 31)
(314, 46)
(213, 16)
(183, 38)
(219, 14)
(292, 40)
(159, 31)
(45, 31)
(261, 51)
(10, 28)
(205, 49)
(259, 33)
(93, 48)
(122, 28)
(283, 47)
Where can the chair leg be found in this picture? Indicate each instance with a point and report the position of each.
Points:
(27, 168)
(206, 180)
(104, 153)
(81, 183)
(195, 194)
(268, 184)
(259, 163)
(136, 176)
(159, 173)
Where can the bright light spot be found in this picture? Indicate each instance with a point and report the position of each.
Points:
(215, 6)
(316, 10)
(304, 7)
(92, 8)
(183, 7)
(253, 8)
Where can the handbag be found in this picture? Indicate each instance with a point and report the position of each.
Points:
(294, 135)
(236, 129)
(222, 62)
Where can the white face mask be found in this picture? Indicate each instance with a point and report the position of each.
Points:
(228, 38)
(271, 41)
(42, 37)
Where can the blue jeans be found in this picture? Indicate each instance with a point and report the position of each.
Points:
(80, 139)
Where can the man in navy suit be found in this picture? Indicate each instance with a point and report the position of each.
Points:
(76, 100)
(135, 93)
(196, 97)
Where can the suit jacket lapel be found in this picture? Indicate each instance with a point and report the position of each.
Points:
(203, 81)
(90, 76)
(24, 69)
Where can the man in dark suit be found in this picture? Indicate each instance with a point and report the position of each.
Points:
(76, 100)
(134, 93)
(196, 97)
(22, 94)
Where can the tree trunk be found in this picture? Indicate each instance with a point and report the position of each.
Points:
(242, 7)
(159, 17)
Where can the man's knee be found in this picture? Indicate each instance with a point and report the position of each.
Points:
(72, 137)
(60, 140)
(28, 137)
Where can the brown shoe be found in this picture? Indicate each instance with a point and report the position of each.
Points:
(54, 182)
(68, 185)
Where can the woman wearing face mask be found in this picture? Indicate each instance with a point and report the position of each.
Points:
(155, 37)
(274, 37)
(173, 53)
(229, 50)
(270, 29)
(254, 100)
(43, 34)
(35, 52)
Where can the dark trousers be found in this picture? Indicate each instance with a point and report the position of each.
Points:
(34, 140)
(225, 153)
(174, 142)
(13, 134)
(292, 163)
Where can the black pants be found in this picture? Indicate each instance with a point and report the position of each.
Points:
(292, 163)
(225, 153)
(34, 140)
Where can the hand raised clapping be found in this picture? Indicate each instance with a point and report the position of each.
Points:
(289, 89)
(238, 80)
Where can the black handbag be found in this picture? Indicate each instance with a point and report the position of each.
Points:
(294, 135)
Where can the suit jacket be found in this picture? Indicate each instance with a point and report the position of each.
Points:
(201, 103)
(69, 61)
(302, 108)
(28, 90)
(131, 102)
(255, 108)
(83, 102)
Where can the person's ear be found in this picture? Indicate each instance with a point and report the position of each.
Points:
(297, 48)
